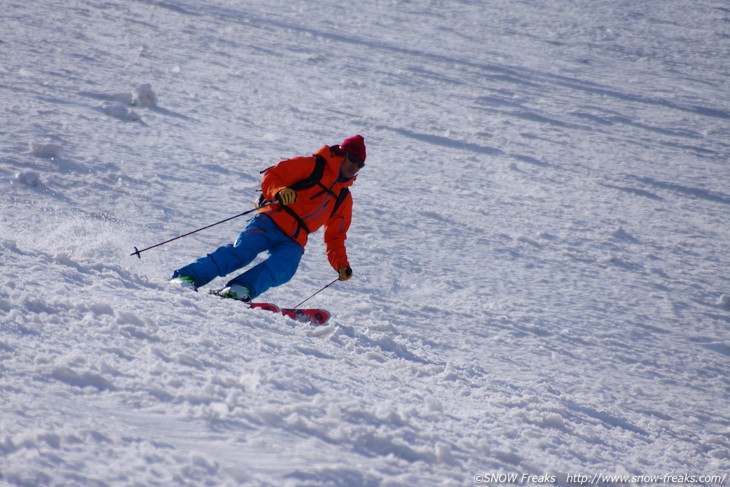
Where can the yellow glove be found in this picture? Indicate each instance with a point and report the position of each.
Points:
(345, 273)
(286, 196)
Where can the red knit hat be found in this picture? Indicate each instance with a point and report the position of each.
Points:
(355, 146)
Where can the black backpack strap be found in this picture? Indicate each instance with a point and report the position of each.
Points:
(308, 182)
(303, 226)
(312, 179)
(340, 199)
(298, 219)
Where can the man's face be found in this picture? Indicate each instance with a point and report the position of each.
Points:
(350, 167)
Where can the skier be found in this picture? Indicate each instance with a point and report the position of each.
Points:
(299, 196)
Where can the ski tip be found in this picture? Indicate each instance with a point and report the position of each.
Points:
(312, 316)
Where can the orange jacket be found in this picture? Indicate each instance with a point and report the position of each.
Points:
(313, 205)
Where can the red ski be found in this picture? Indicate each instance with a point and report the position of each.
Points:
(314, 316)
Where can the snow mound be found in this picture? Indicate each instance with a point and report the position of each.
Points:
(28, 178)
(144, 96)
(120, 111)
(45, 150)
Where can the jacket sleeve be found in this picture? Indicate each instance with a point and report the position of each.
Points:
(335, 234)
(284, 174)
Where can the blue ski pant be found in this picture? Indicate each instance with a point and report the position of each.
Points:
(260, 235)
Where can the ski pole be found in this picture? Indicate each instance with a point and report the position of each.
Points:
(137, 252)
(313, 295)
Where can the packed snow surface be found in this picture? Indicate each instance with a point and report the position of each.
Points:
(539, 245)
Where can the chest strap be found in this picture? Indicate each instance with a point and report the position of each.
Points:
(302, 225)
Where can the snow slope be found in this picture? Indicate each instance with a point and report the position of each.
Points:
(539, 242)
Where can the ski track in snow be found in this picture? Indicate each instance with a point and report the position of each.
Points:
(539, 242)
